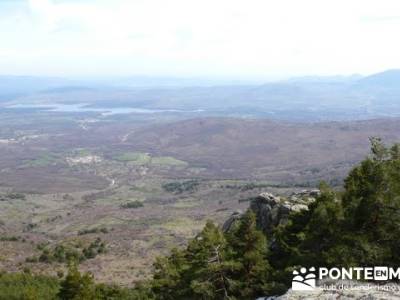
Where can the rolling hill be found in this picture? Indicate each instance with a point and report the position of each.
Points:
(263, 149)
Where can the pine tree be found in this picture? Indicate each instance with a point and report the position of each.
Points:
(76, 286)
(371, 202)
(248, 249)
(168, 280)
(208, 264)
(323, 230)
(198, 272)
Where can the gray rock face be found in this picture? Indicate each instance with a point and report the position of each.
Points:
(271, 210)
(336, 291)
(232, 220)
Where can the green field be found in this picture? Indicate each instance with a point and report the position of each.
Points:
(137, 158)
(140, 158)
(42, 161)
(168, 161)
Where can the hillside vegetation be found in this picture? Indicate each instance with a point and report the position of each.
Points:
(358, 226)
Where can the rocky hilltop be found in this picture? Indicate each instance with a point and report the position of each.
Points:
(271, 210)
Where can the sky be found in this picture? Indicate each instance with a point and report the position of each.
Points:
(244, 39)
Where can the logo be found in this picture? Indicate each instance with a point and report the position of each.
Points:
(304, 280)
(381, 273)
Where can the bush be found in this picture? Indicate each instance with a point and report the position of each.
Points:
(180, 187)
(67, 254)
(133, 204)
(13, 196)
(27, 286)
(95, 248)
(93, 230)
(10, 238)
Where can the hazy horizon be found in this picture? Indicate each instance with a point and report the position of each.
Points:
(188, 77)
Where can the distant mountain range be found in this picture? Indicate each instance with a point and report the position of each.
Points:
(302, 99)
(21, 83)
(387, 79)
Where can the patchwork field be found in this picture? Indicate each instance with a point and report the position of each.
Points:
(116, 192)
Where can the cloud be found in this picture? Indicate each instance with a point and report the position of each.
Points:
(213, 38)
(388, 18)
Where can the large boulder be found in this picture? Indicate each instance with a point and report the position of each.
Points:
(271, 210)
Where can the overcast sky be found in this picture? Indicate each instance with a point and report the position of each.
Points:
(206, 38)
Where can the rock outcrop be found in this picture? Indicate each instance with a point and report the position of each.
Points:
(271, 210)
(344, 290)
(232, 220)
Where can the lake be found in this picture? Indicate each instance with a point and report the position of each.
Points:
(84, 107)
